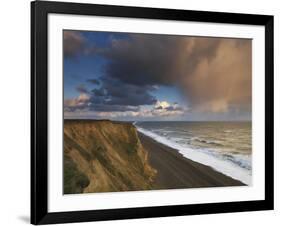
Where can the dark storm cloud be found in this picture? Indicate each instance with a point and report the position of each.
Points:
(82, 89)
(101, 92)
(113, 108)
(157, 59)
(214, 73)
(113, 95)
(94, 81)
(73, 43)
(116, 92)
(174, 108)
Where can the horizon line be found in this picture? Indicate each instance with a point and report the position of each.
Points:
(156, 120)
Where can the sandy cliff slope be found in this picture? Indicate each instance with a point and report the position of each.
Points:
(103, 156)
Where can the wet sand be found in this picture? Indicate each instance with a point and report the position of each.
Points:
(175, 171)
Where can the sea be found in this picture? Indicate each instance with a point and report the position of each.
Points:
(224, 146)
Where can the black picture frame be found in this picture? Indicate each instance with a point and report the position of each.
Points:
(39, 112)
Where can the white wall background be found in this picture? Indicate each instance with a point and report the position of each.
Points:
(15, 113)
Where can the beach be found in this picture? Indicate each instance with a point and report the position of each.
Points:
(175, 171)
(109, 156)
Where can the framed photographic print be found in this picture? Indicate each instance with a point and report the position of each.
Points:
(144, 112)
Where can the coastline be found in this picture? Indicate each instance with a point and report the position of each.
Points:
(175, 171)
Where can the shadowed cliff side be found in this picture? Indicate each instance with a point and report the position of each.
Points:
(104, 156)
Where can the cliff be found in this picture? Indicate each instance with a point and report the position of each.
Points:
(104, 156)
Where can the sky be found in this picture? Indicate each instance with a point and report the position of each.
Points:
(154, 77)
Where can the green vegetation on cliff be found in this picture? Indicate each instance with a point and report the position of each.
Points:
(74, 180)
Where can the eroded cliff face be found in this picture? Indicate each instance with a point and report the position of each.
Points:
(104, 156)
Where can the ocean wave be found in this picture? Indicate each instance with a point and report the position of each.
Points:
(208, 142)
(244, 161)
(233, 165)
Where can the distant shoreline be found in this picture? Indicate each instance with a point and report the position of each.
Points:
(175, 171)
